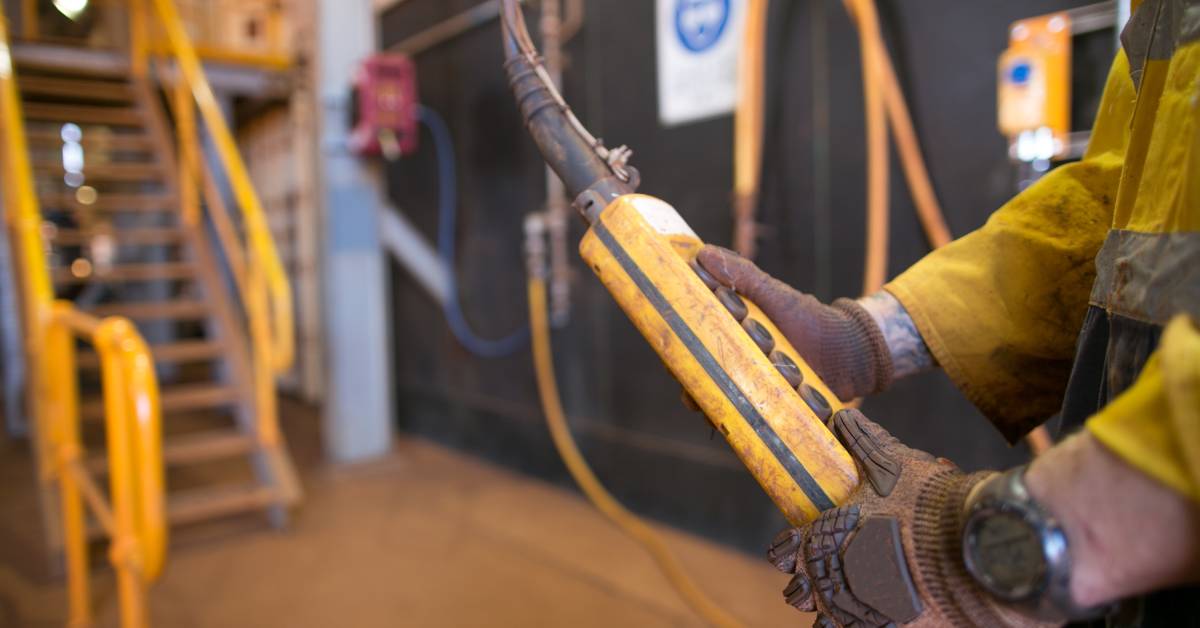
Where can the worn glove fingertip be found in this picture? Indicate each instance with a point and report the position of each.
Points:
(782, 552)
(726, 266)
(799, 594)
(870, 447)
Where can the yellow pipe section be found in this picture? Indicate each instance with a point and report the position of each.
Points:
(560, 432)
(63, 413)
(124, 550)
(29, 250)
(23, 214)
(137, 519)
(189, 158)
(261, 245)
(30, 26)
(748, 128)
(139, 38)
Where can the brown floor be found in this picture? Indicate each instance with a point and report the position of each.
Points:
(425, 537)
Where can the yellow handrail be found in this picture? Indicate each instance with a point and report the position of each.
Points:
(136, 520)
(262, 254)
(21, 206)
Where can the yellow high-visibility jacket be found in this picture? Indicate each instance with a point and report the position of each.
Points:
(1110, 244)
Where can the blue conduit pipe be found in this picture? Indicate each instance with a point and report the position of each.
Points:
(447, 220)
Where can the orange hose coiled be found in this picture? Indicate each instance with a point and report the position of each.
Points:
(880, 84)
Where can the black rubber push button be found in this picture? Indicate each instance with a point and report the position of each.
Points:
(760, 335)
(817, 402)
(787, 368)
(704, 275)
(733, 303)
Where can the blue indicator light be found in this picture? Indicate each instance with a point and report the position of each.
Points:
(1020, 72)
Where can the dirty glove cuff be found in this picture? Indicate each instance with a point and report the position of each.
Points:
(866, 363)
(937, 538)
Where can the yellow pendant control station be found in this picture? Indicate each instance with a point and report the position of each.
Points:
(738, 367)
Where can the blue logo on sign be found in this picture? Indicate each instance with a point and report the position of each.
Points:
(700, 23)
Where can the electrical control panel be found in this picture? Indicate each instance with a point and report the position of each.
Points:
(1035, 88)
(384, 107)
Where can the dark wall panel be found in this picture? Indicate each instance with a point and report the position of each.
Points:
(652, 453)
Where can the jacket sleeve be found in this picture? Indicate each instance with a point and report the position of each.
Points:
(1001, 308)
(1155, 424)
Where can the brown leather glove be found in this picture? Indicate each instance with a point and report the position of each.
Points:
(840, 341)
(892, 554)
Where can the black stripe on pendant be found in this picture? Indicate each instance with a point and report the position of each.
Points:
(786, 458)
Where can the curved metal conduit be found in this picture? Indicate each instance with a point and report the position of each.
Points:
(583, 163)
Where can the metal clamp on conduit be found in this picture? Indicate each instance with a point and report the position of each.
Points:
(593, 173)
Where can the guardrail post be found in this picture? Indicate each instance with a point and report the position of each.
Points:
(125, 552)
(139, 38)
(186, 138)
(63, 416)
(30, 24)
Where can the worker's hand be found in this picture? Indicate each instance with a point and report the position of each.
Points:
(840, 341)
(892, 554)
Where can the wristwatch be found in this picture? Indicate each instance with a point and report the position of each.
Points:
(1018, 552)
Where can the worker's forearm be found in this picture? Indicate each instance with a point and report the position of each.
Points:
(910, 354)
(1128, 534)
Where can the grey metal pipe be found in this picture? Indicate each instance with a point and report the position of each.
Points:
(454, 27)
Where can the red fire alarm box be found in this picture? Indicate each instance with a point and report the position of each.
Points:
(384, 107)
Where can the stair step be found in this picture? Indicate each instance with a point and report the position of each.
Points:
(200, 504)
(107, 172)
(129, 273)
(93, 142)
(83, 114)
(155, 310)
(112, 202)
(146, 236)
(179, 398)
(75, 88)
(209, 503)
(185, 351)
(58, 60)
(192, 449)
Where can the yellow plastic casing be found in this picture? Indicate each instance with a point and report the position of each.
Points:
(640, 248)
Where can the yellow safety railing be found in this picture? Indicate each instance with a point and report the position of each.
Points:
(258, 272)
(135, 517)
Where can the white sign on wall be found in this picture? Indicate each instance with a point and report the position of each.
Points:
(698, 45)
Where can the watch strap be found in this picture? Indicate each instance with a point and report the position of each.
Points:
(1008, 493)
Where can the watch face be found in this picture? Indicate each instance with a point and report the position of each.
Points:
(1005, 553)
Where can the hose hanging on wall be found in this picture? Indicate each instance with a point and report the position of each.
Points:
(929, 211)
(884, 103)
(748, 129)
(560, 432)
(447, 220)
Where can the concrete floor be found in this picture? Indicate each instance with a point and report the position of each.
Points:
(425, 537)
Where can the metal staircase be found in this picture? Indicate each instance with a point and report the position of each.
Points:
(122, 242)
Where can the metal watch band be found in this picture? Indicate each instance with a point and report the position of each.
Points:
(1007, 494)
